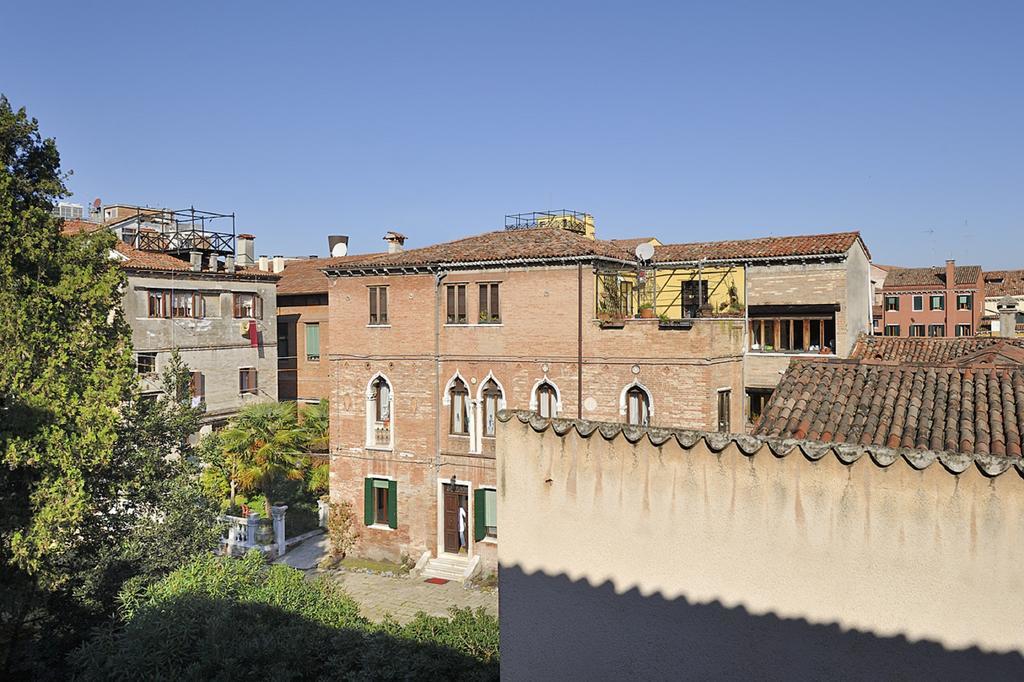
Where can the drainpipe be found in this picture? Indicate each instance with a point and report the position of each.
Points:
(579, 340)
(438, 277)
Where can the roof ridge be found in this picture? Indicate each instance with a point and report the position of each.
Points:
(763, 238)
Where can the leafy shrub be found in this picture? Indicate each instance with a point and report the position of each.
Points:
(219, 618)
(342, 531)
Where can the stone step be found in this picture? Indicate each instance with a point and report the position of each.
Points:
(450, 561)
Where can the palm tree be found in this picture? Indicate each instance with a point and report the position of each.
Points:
(266, 443)
(316, 424)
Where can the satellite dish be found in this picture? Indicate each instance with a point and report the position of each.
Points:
(645, 251)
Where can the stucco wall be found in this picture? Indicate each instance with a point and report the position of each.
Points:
(214, 344)
(621, 560)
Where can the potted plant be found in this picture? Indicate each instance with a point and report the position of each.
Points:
(647, 312)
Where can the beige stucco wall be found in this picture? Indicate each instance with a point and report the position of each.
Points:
(668, 563)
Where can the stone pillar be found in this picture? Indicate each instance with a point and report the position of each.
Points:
(251, 522)
(278, 516)
(1007, 309)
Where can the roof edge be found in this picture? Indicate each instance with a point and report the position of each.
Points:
(955, 463)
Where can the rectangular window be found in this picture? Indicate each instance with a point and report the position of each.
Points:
(757, 400)
(313, 341)
(723, 410)
(380, 502)
(247, 380)
(456, 303)
(937, 330)
(792, 334)
(694, 295)
(186, 304)
(248, 305)
(459, 425)
(485, 514)
(963, 330)
(918, 303)
(489, 309)
(197, 387)
(892, 302)
(917, 330)
(937, 302)
(892, 330)
(964, 302)
(159, 304)
(146, 363)
(378, 305)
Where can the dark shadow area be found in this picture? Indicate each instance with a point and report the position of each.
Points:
(203, 638)
(555, 628)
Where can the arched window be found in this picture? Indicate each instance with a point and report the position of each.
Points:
(458, 395)
(380, 391)
(547, 400)
(491, 396)
(638, 407)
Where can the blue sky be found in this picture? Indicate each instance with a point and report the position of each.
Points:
(688, 122)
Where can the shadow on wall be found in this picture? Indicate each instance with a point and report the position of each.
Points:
(555, 628)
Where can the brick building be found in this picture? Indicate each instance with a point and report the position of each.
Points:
(438, 339)
(935, 302)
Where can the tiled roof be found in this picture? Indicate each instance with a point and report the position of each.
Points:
(306, 276)
(960, 409)
(631, 244)
(999, 283)
(926, 350)
(155, 261)
(765, 247)
(964, 275)
(750, 445)
(533, 244)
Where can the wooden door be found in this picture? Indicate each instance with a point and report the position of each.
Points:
(451, 518)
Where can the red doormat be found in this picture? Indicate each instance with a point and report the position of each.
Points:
(435, 581)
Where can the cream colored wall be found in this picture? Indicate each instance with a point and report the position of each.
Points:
(634, 560)
(717, 280)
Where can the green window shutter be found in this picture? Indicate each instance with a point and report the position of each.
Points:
(491, 508)
(312, 339)
(479, 507)
(393, 504)
(368, 501)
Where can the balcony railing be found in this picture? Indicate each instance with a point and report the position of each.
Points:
(184, 241)
(382, 434)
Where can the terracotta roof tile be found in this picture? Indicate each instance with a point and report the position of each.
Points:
(926, 350)
(964, 275)
(999, 283)
(765, 247)
(306, 276)
(972, 410)
(491, 247)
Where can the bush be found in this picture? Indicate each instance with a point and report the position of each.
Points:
(219, 618)
(342, 531)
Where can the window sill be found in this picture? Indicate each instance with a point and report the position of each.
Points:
(311, 359)
(378, 326)
(791, 353)
(488, 541)
(379, 448)
(380, 526)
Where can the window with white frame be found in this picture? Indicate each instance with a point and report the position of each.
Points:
(485, 513)
(379, 432)
(491, 398)
(458, 395)
(547, 400)
(638, 406)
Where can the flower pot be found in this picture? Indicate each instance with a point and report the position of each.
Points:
(647, 313)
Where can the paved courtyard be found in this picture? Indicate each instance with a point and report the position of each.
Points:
(402, 597)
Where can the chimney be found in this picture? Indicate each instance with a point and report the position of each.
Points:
(229, 264)
(214, 262)
(264, 264)
(337, 245)
(244, 244)
(396, 241)
(195, 259)
(278, 263)
(1007, 309)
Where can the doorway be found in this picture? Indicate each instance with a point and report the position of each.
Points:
(456, 518)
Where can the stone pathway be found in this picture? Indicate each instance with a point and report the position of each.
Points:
(402, 596)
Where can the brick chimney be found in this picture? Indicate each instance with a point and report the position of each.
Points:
(1007, 309)
(950, 307)
(396, 241)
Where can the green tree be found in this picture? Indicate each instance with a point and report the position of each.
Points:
(268, 445)
(89, 497)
